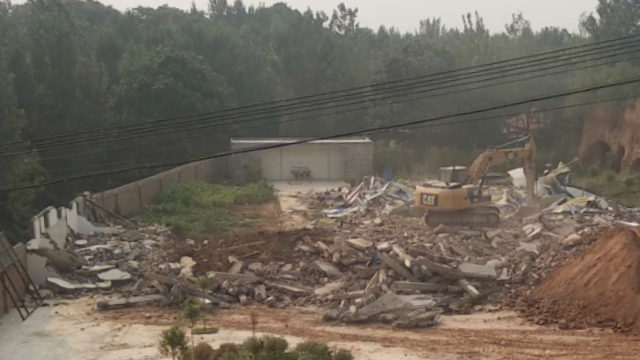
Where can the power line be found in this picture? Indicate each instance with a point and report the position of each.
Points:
(370, 89)
(337, 135)
(158, 131)
(426, 125)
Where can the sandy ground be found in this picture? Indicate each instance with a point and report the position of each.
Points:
(73, 330)
(292, 208)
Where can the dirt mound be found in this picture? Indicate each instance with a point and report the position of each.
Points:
(601, 288)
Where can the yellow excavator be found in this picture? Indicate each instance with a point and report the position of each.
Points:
(468, 202)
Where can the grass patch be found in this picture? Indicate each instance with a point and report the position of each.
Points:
(202, 208)
(619, 187)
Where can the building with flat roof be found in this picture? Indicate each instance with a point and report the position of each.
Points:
(298, 159)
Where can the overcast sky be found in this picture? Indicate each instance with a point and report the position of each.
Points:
(405, 15)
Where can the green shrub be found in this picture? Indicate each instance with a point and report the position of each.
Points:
(173, 341)
(275, 348)
(342, 355)
(201, 208)
(312, 351)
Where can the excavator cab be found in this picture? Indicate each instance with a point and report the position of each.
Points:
(454, 174)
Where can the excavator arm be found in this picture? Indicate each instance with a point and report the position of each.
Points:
(526, 152)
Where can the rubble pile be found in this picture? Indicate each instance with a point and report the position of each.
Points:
(368, 258)
(104, 261)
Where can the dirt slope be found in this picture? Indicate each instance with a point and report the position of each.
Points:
(600, 288)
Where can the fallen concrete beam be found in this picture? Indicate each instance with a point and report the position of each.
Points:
(329, 288)
(476, 271)
(402, 255)
(360, 244)
(288, 288)
(419, 286)
(328, 268)
(397, 267)
(64, 285)
(466, 286)
(128, 302)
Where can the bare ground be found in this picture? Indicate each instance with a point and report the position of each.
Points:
(488, 335)
(73, 330)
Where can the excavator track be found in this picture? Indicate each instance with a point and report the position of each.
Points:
(488, 216)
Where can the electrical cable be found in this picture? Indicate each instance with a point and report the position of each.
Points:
(375, 86)
(337, 135)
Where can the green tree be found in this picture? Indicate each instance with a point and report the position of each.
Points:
(192, 311)
(173, 342)
(615, 18)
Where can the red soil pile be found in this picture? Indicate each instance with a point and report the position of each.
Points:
(601, 288)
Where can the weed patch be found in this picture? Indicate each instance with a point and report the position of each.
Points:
(201, 208)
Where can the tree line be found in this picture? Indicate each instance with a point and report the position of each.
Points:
(69, 65)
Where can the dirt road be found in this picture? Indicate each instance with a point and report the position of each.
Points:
(75, 331)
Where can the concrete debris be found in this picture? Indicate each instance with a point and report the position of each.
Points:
(114, 275)
(370, 258)
(360, 244)
(236, 268)
(68, 286)
(129, 302)
(328, 268)
(186, 267)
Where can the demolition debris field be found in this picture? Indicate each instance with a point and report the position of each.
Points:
(363, 256)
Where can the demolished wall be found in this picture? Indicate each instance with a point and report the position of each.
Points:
(614, 131)
(133, 197)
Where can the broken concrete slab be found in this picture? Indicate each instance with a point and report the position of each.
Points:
(186, 266)
(328, 268)
(476, 271)
(65, 285)
(256, 266)
(236, 268)
(532, 231)
(129, 302)
(115, 275)
(97, 268)
(529, 247)
(297, 290)
(417, 319)
(61, 261)
(466, 286)
(406, 259)
(360, 244)
(81, 242)
(329, 288)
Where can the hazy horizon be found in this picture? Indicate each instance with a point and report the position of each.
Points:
(405, 15)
